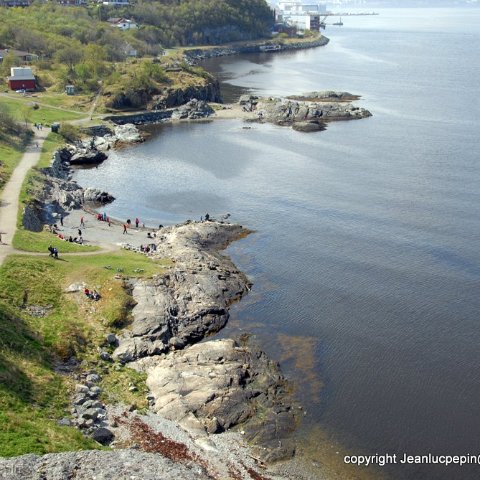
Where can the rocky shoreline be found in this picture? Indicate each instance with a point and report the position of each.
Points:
(204, 390)
(197, 54)
(307, 113)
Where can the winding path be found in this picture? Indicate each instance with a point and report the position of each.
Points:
(10, 201)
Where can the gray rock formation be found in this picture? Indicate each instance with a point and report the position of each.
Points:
(189, 302)
(218, 385)
(325, 96)
(193, 110)
(174, 97)
(87, 465)
(311, 126)
(195, 54)
(123, 134)
(97, 197)
(288, 112)
(84, 155)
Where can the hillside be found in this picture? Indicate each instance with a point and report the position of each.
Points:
(47, 29)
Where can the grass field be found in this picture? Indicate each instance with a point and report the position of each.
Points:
(11, 151)
(40, 241)
(22, 108)
(32, 395)
(80, 103)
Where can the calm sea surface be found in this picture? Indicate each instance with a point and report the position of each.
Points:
(366, 255)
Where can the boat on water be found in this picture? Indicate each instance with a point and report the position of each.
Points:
(270, 48)
(339, 23)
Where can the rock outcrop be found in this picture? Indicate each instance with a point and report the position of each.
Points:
(174, 97)
(196, 54)
(87, 465)
(307, 115)
(193, 110)
(325, 96)
(97, 197)
(219, 384)
(189, 302)
(287, 112)
(211, 386)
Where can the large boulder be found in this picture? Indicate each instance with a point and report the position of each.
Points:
(95, 196)
(221, 385)
(128, 133)
(87, 156)
(311, 126)
(192, 110)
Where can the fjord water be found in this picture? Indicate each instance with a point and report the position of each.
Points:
(366, 252)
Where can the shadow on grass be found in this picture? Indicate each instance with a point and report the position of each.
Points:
(16, 341)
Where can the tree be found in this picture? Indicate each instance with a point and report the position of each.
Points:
(95, 56)
(70, 56)
(26, 113)
(9, 61)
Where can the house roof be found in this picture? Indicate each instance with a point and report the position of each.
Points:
(19, 73)
(116, 20)
(18, 53)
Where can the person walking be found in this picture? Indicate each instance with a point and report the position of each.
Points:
(124, 228)
(137, 221)
(61, 220)
(82, 223)
(79, 233)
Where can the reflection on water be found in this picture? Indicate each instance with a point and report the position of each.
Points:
(366, 249)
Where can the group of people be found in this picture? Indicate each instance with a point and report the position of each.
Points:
(128, 224)
(92, 294)
(102, 217)
(151, 247)
(38, 126)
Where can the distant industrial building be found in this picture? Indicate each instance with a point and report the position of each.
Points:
(303, 15)
(297, 7)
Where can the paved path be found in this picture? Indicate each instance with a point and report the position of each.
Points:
(9, 200)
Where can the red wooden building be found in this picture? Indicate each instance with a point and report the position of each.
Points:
(22, 78)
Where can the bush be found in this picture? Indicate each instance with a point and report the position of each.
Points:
(70, 133)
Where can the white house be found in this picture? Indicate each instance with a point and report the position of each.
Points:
(116, 3)
(122, 23)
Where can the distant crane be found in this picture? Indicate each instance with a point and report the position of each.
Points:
(322, 22)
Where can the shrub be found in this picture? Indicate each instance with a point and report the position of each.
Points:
(69, 132)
